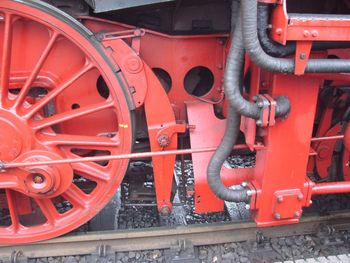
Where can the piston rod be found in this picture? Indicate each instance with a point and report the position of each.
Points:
(4, 165)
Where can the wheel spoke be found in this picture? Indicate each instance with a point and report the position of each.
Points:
(76, 196)
(34, 74)
(91, 171)
(58, 90)
(66, 116)
(93, 142)
(11, 202)
(48, 209)
(6, 58)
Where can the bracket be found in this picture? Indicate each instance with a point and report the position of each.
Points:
(103, 254)
(164, 135)
(268, 110)
(182, 251)
(302, 55)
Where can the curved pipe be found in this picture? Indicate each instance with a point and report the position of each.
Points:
(237, 105)
(218, 159)
(232, 77)
(277, 50)
(270, 47)
(234, 67)
(282, 65)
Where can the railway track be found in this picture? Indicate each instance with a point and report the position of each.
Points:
(102, 246)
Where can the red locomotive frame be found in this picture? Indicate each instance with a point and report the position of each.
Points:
(285, 149)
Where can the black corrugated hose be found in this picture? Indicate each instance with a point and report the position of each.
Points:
(277, 50)
(237, 106)
(281, 65)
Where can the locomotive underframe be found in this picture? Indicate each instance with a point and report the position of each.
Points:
(287, 149)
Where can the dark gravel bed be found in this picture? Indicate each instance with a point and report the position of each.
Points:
(270, 250)
(139, 216)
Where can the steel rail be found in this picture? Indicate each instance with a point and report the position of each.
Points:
(163, 238)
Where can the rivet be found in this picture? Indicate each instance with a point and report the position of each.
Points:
(306, 33)
(314, 33)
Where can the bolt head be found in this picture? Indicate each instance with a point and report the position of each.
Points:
(259, 123)
(247, 206)
(249, 193)
(279, 31)
(300, 197)
(280, 199)
(277, 216)
(244, 184)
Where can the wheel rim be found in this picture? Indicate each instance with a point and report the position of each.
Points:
(59, 99)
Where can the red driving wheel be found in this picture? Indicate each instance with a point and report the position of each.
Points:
(60, 98)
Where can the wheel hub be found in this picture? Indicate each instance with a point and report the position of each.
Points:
(43, 180)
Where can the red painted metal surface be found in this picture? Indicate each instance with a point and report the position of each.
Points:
(286, 27)
(61, 64)
(177, 55)
(347, 137)
(331, 188)
(281, 168)
(78, 125)
(325, 149)
(213, 128)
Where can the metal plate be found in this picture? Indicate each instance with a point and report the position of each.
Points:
(100, 6)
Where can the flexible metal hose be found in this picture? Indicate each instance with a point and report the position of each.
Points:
(277, 50)
(282, 65)
(237, 106)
